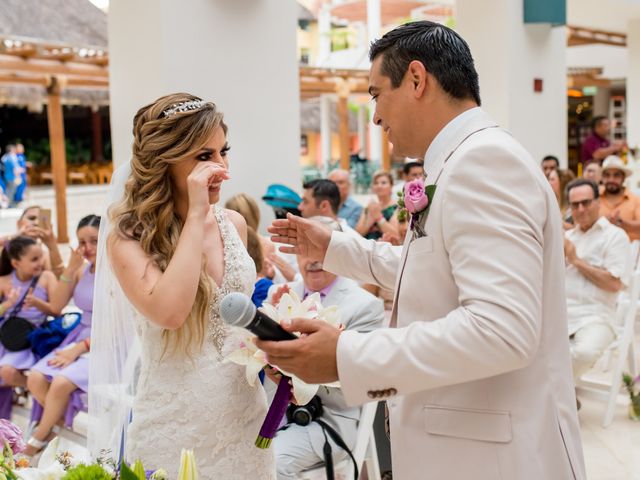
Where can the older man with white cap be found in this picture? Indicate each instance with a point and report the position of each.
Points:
(618, 203)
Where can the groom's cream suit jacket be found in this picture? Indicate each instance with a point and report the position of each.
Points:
(477, 373)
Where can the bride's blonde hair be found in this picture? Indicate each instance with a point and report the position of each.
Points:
(166, 132)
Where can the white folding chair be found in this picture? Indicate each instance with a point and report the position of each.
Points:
(364, 451)
(624, 348)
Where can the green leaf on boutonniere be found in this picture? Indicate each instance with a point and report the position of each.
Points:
(430, 191)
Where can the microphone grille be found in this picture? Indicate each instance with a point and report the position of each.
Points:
(237, 309)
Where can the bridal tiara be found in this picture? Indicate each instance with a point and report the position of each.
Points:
(183, 107)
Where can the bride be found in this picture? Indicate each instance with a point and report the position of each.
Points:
(174, 254)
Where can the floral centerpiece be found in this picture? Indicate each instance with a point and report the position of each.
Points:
(634, 395)
(287, 307)
(54, 465)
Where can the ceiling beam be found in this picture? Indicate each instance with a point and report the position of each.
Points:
(51, 67)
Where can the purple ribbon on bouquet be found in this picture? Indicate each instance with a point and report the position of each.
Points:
(276, 413)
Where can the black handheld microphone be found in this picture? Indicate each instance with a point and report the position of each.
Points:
(237, 309)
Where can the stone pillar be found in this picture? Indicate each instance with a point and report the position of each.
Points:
(509, 56)
(240, 54)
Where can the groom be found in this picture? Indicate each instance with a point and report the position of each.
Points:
(476, 372)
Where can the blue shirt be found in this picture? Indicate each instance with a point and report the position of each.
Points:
(10, 162)
(350, 211)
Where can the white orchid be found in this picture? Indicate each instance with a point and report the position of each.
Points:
(48, 467)
(289, 307)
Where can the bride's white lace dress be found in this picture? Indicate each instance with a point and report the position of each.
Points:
(201, 403)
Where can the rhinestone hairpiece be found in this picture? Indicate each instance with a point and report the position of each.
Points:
(183, 107)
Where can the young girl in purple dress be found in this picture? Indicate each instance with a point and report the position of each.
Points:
(22, 274)
(57, 376)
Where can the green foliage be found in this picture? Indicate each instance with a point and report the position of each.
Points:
(127, 474)
(87, 472)
(138, 469)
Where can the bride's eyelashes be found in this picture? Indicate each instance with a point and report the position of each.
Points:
(207, 154)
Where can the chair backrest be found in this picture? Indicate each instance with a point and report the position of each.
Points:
(365, 430)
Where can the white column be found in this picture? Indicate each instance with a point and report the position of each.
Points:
(213, 49)
(374, 25)
(633, 84)
(325, 131)
(324, 32)
(509, 56)
(362, 128)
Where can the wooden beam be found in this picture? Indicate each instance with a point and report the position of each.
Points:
(51, 67)
(58, 157)
(343, 115)
(23, 80)
(587, 36)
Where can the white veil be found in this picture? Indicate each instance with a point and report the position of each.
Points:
(115, 348)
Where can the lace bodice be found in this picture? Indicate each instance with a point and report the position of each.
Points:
(202, 402)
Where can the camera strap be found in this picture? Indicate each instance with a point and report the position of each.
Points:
(328, 458)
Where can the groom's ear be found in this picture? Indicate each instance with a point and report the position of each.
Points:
(417, 75)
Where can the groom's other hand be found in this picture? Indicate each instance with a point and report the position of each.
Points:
(312, 357)
(305, 237)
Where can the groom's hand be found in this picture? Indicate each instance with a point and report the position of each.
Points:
(307, 238)
(312, 357)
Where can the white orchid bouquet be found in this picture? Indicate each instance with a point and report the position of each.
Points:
(287, 307)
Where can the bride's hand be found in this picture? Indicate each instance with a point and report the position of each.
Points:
(203, 176)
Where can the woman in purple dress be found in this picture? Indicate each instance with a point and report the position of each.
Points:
(57, 376)
(23, 275)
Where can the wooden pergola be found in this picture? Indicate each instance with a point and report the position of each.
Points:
(315, 82)
(54, 67)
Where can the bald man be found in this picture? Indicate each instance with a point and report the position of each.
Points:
(350, 210)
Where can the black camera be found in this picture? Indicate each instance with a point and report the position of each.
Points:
(303, 415)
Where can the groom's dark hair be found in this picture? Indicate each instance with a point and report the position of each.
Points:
(443, 52)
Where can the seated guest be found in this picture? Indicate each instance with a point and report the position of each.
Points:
(54, 379)
(321, 198)
(300, 447)
(33, 224)
(597, 146)
(26, 289)
(411, 170)
(349, 210)
(593, 171)
(548, 164)
(264, 269)
(379, 216)
(618, 203)
(559, 179)
(286, 266)
(597, 257)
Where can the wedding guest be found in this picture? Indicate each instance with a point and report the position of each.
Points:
(597, 146)
(264, 269)
(379, 215)
(300, 447)
(22, 165)
(548, 164)
(23, 277)
(618, 203)
(32, 223)
(411, 170)
(559, 179)
(350, 209)
(597, 259)
(286, 266)
(321, 198)
(11, 172)
(54, 379)
(593, 171)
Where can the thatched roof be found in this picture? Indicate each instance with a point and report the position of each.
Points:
(73, 22)
(34, 97)
(310, 116)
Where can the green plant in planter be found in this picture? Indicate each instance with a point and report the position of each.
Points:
(634, 396)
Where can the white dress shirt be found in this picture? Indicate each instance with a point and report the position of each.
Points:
(603, 246)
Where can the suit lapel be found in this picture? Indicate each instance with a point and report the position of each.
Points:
(434, 167)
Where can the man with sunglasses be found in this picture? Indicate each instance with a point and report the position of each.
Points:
(597, 255)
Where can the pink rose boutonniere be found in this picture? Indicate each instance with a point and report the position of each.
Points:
(414, 200)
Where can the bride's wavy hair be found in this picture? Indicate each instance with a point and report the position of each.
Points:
(165, 132)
